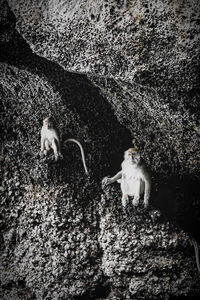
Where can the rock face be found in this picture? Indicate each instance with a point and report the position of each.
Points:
(143, 56)
(137, 248)
(62, 236)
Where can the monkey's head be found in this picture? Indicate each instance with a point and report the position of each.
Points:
(132, 156)
(48, 122)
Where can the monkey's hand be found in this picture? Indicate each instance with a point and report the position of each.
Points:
(106, 181)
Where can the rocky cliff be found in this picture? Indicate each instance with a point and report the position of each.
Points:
(112, 74)
(143, 56)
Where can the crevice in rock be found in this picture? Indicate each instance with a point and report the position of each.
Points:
(101, 291)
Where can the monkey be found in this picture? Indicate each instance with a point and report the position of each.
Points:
(133, 177)
(50, 140)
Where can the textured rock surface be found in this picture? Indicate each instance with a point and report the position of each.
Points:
(65, 239)
(143, 56)
(138, 247)
(49, 222)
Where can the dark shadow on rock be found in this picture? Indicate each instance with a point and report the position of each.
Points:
(109, 138)
(101, 291)
(178, 198)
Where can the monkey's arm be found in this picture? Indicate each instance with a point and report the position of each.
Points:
(42, 143)
(109, 180)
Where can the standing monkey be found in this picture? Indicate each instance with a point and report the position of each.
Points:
(50, 140)
(133, 177)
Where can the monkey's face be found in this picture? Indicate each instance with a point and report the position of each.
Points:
(132, 156)
(47, 122)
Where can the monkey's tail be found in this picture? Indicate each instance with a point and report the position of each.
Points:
(82, 153)
(196, 250)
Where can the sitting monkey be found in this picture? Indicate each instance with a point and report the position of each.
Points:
(133, 177)
(50, 140)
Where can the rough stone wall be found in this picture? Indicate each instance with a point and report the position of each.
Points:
(146, 36)
(133, 252)
(49, 211)
(143, 55)
(62, 237)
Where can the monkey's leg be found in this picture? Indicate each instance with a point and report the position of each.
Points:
(59, 152)
(124, 200)
(136, 200)
(55, 150)
(60, 155)
(46, 147)
(146, 203)
(137, 194)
